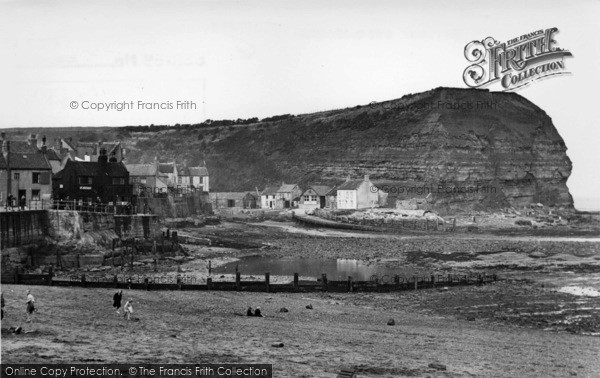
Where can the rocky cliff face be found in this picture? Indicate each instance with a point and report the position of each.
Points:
(469, 148)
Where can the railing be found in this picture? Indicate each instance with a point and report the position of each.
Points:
(92, 207)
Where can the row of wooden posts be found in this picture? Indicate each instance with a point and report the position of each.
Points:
(349, 285)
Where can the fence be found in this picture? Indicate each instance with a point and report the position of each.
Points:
(323, 285)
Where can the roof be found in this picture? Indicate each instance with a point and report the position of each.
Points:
(229, 195)
(269, 191)
(28, 160)
(141, 169)
(166, 167)
(22, 147)
(91, 168)
(350, 185)
(52, 155)
(198, 171)
(286, 188)
(321, 190)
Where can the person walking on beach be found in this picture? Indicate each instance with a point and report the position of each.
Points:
(117, 300)
(30, 305)
(128, 309)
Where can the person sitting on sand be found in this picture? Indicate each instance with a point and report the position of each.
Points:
(258, 313)
(117, 300)
(30, 305)
(128, 309)
(249, 312)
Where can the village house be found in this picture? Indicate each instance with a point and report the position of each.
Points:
(314, 197)
(358, 194)
(102, 181)
(146, 179)
(288, 195)
(25, 174)
(268, 198)
(193, 178)
(280, 197)
(169, 170)
(240, 200)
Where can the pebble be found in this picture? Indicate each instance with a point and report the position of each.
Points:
(391, 322)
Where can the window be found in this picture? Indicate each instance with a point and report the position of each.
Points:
(17, 175)
(35, 194)
(85, 180)
(230, 203)
(306, 198)
(143, 181)
(179, 180)
(35, 178)
(118, 181)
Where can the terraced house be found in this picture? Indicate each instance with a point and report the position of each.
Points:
(26, 174)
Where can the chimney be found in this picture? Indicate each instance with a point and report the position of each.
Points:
(33, 140)
(5, 148)
(366, 177)
(102, 159)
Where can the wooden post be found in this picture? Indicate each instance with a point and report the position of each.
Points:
(146, 283)
(453, 224)
(50, 276)
(238, 284)
(324, 281)
(267, 282)
(209, 283)
(432, 280)
(209, 267)
(116, 281)
(296, 286)
(83, 280)
(179, 284)
(350, 286)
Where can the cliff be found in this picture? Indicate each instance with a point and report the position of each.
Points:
(499, 146)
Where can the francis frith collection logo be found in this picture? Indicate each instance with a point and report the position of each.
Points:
(516, 63)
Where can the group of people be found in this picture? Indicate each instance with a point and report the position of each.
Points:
(256, 312)
(10, 199)
(127, 309)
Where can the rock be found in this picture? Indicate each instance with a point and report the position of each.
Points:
(471, 318)
(18, 330)
(283, 309)
(391, 322)
(437, 366)
(309, 306)
(277, 345)
(523, 222)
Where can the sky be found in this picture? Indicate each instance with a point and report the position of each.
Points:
(63, 59)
